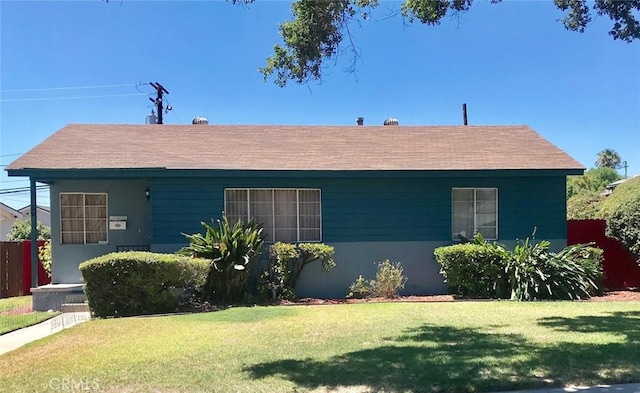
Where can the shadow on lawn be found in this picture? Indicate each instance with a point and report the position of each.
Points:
(448, 359)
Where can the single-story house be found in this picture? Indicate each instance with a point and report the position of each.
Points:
(373, 192)
(8, 216)
(43, 214)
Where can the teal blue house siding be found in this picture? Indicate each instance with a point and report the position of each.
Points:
(371, 209)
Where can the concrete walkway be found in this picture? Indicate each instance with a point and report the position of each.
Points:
(18, 338)
(626, 388)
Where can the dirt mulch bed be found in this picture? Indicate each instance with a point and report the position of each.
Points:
(630, 295)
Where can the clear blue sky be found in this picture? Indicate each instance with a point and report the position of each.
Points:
(512, 63)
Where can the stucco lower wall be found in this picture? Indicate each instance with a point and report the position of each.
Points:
(361, 258)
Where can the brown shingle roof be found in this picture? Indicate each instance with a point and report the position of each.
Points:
(256, 147)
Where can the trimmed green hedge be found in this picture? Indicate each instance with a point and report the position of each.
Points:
(475, 270)
(136, 283)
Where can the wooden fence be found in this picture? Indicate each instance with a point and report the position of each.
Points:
(619, 265)
(15, 269)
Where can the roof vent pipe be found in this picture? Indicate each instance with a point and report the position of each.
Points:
(360, 121)
(464, 114)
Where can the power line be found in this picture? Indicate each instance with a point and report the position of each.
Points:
(67, 88)
(71, 98)
(11, 155)
(20, 190)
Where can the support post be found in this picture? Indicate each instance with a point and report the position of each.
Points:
(34, 234)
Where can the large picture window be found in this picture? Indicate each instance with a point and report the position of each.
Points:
(83, 218)
(287, 215)
(475, 210)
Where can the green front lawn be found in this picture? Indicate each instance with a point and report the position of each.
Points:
(371, 347)
(13, 315)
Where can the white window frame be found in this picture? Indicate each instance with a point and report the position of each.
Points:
(84, 221)
(273, 228)
(475, 211)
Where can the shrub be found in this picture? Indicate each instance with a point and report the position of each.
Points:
(231, 250)
(537, 274)
(622, 209)
(586, 206)
(286, 262)
(389, 281)
(135, 283)
(21, 230)
(44, 255)
(474, 269)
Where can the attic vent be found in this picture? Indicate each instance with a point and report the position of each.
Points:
(391, 122)
(200, 120)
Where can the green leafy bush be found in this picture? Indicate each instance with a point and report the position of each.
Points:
(537, 274)
(389, 281)
(231, 250)
(475, 269)
(286, 262)
(135, 283)
(622, 209)
(21, 230)
(585, 206)
(44, 255)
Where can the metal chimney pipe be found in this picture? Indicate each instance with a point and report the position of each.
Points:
(464, 114)
(360, 121)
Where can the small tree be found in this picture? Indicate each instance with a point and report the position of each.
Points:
(21, 230)
(286, 262)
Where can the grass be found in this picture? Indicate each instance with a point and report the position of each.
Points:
(374, 347)
(12, 318)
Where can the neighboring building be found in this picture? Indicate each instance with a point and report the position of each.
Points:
(8, 216)
(372, 192)
(43, 215)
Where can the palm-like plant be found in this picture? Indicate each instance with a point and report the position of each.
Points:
(230, 249)
(608, 158)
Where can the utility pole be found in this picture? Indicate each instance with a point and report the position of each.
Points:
(625, 166)
(160, 90)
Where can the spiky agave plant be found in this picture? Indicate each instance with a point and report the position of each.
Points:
(231, 249)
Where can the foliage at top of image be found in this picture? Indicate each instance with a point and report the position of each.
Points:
(21, 230)
(231, 250)
(319, 29)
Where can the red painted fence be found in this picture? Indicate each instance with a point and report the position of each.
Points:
(15, 269)
(619, 265)
(43, 278)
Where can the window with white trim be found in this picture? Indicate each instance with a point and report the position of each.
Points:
(287, 215)
(474, 210)
(83, 218)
